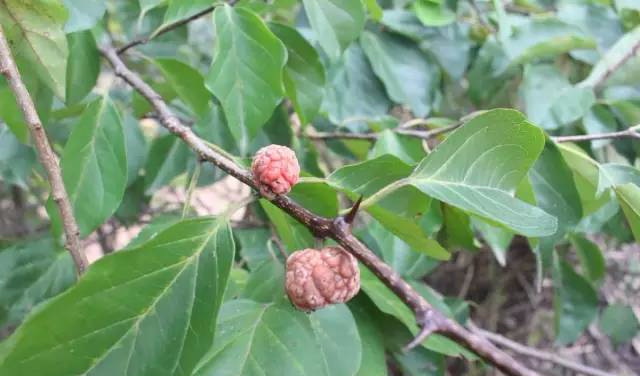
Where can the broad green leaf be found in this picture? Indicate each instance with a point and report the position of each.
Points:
(555, 191)
(450, 45)
(585, 174)
(596, 20)
(168, 158)
(16, 159)
(544, 37)
(303, 75)
(625, 181)
(499, 141)
(150, 310)
(550, 100)
(275, 339)
(181, 9)
(253, 244)
(187, 82)
(457, 231)
(318, 197)
(619, 323)
(399, 210)
(147, 5)
(30, 273)
(373, 353)
(266, 283)
(336, 23)
(575, 302)
(34, 30)
(612, 175)
(246, 71)
(347, 79)
(83, 66)
(294, 235)
(498, 239)
(398, 254)
(591, 258)
(375, 11)
(615, 56)
(136, 146)
(94, 165)
(83, 14)
(408, 149)
(389, 303)
(409, 75)
(434, 13)
(490, 72)
(153, 228)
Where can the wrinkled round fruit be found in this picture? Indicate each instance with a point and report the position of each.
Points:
(275, 170)
(316, 278)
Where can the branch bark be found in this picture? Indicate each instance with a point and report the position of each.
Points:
(429, 319)
(47, 157)
(538, 354)
(627, 133)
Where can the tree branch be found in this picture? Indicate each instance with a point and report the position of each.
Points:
(169, 27)
(538, 354)
(47, 157)
(429, 319)
(627, 133)
(425, 135)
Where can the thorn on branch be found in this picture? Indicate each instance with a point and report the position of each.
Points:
(429, 322)
(351, 215)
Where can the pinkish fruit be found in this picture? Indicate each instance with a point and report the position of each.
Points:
(317, 278)
(275, 170)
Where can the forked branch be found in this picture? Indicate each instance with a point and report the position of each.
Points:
(429, 319)
(47, 157)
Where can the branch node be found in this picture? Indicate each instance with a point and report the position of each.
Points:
(351, 215)
(429, 322)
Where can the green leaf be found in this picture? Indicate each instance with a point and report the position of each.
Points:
(599, 119)
(575, 302)
(551, 101)
(136, 146)
(409, 75)
(368, 177)
(254, 245)
(168, 158)
(537, 38)
(585, 174)
(34, 31)
(336, 23)
(273, 340)
(246, 71)
(497, 238)
(294, 235)
(624, 180)
(303, 75)
(180, 9)
(187, 82)
(94, 165)
(373, 353)
(83, 14)
(375, 11)
(591, 257)
(266, 283)
(614, 57)
(555, 191)
(619, 323)
(434, 13)
(30, 273)
(499, 141)
(150, 310)
(318, 197)
(83, 66)
(348, 78)
(408, 149)
(389, 303)
(398, 254)
(16, 159)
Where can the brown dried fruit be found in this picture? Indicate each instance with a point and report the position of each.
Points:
(275, 170)
(316, 278)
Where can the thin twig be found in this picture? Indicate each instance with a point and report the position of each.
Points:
(627, 133)
(47, 157)
(538, 354)
(169, 27)
(428, 319)
(425, 135)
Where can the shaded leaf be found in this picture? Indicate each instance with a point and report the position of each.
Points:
(187, 82)
(336, 23)
(83, 67)
(591, 258)
(83, 14)
(619, 323)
